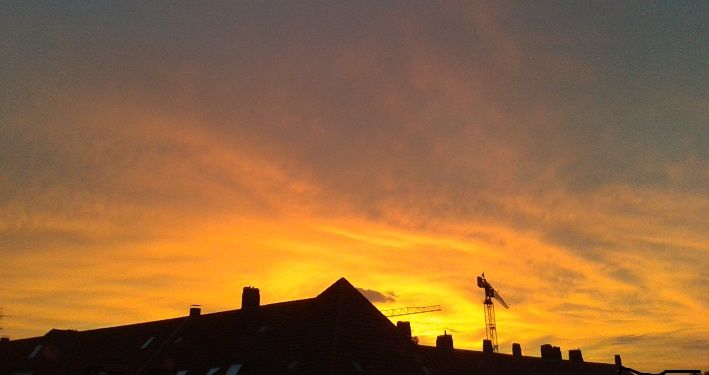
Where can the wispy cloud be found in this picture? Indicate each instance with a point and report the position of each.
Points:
(561, 149)
(375, 296)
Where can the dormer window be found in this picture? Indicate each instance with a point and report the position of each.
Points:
(358, 368)
(36, 351)
(293, 365)
(233, 369)
(147, 342)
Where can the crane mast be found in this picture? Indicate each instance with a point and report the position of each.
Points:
(489, 310)
(490, 325)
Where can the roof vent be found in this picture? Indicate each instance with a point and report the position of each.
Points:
(444, 342)
(250, 298)
(195, 311)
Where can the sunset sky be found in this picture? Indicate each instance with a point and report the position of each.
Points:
(159, 155)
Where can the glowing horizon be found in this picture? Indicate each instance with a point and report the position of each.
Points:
(153, 157)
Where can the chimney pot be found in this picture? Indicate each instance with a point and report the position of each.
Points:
(618, 361)
(517, 350)
(250, 298)
(444, 342)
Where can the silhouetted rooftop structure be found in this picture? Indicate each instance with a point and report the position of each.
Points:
(337, 332)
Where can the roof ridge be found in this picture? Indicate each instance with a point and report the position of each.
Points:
(165, 320)
(338, 321)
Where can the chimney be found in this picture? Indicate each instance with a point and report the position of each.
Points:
(404, 329)
(487, 346)
(618, 361)
(516, 350)
(550, 352)
(195, 311)
(4, 342)
(444, 342)
(575, 356)
(250, 298)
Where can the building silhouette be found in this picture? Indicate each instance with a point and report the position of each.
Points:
(337, 332)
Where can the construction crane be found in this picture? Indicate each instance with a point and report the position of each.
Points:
(410, 310)
(489, 308)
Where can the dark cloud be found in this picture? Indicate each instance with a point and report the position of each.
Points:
(575, 307)
(375, 296)
(443, 119)
(625, 274)
(587, 245)
(657, 340)
(629, 339)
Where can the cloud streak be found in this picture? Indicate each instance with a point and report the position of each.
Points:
(561, 149)
(377, 297)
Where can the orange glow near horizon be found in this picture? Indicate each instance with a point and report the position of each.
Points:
(293, 259)
(153, 159)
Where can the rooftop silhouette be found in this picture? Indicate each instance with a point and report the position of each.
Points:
(337, 332)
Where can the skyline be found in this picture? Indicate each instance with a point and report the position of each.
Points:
(156, 156)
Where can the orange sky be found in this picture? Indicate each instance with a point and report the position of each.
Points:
(160, 156)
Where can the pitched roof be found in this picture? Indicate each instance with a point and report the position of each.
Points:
(337, 332)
